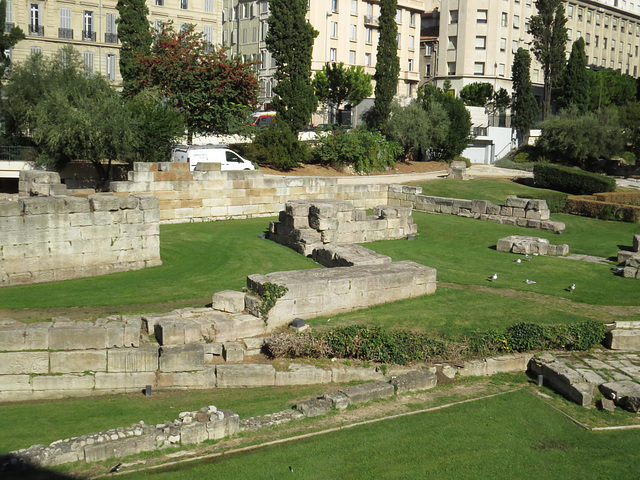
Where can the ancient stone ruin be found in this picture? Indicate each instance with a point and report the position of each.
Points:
(530, 245)
(630, 260)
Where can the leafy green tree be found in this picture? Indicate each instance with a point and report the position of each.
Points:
(213, 92)
(609, 87)
(524, 108)
(630, 122)
(278, 146)
(573, 85)
(387, 65)
(416, 128)
(457, 136)
(499, 102)
(581, 139)
(477, 94)
(135, 36)
(335, 85)
(7, 40)
(550, 37)
(290, 41)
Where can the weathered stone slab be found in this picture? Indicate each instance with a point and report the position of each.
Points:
(15, 383)
(228, 301)
(142, 359)
(302, 375)
(120, 448)
(564, 380)
(347, 255)
(63, 382)
(233, 352)
(181, 358)
(368, 391)
(414, 381)
(345, 374)
(187, 380)
(193, 433)
(13, 363)
(78, 361)
(77, 336)
(338, 399)
(314, 407)
(228, 425)
(625, 394)
(124, 382)
(253, 375)
(623, 339)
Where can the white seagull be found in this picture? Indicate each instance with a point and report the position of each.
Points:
(572, 287)
(530, 282)
(517, 260)
(528, 257)
(493, 277)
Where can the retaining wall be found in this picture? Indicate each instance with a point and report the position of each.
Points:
(44, 239)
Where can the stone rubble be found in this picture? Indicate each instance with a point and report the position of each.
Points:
(630, 260)
(525, 245)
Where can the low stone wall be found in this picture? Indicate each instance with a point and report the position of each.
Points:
(317, 292)
(305, 225)
(210, 194)
(624, 336)
(565, 380)
(44, 239)
(527, 245)
(521, 212)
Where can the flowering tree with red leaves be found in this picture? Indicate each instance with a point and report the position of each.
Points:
(214, 92)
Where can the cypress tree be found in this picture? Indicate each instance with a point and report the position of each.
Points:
(290, 41)
(524, 107)
(387, 65)
(135, 35)
(573, 86)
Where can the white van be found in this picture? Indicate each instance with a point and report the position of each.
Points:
(194, 154)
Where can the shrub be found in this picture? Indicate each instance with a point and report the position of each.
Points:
(588, 207)
(522, 157)
(523, 337)
(462, 159)
(629, 157)
(509, 163)
(556, 201)
(571, 180)
(583, 336)
(277, 146)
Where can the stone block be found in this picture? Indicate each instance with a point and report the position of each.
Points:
(537, 205)
(253, 346)
(233, 352)
(78, 361)
(623, 339)
(636, 243)
(564, 380)
(414, 381)
(187, 380)
(517, 362)
(367, 392)
(102, 202)
(124, 382)
(77, 336)
(63, 382)
(131, 360)
(15, 383)
(473, 368)
(314, 407)
(255, 375)
(338, 399)
(228, 301)
(344, 374)
(12, 337)
(121, 448)
(14, 363)
(513, 201)
(181, 358)
(625, 394)
(193, 433)
(302, 375)
(223, 427)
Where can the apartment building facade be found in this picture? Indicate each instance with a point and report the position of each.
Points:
(478, 39)
(347, 32)
(90, 27)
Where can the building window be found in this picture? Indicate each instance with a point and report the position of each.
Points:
(478, 68)
(184, 4)
(65, 30)
(35, 20)
(160, 3)
(606, 22)
(597, 18)
(334, 29)
(516, 21)
(427, 70)
(580, 11)
(334, 5)
(589, 15)
(536, 75)
(578, 34)
(596, 40)
(208, 6)
(352, 57)
(428, 49)
(254, 34)
(453, 43)
(604, 62)
(503, 44)
(88, 63)
(451, 68)
(569, 34)
(501, 69)
(587, 39)
(207, 35)
(244, 35)
(614, 24)
(399, 16)
(514, 46)
(570, 11)
(604, 43)
(595, 60)
(333, 55)
(367, 59)
(36, 50)
(481, 43)
(613, 45)
(453, 16)
(367, 35)
(88, 32)
(111, 32)
(352, 33)
(111, 67)
(410, 65)
(481, 16)
(504, 19)
(354, 7)
(409, 89)
(412, 19)
(9, 17)
(412, 40)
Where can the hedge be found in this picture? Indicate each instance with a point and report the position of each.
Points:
(571, 180)
(587, 206)
(556, 201)
(627, 198)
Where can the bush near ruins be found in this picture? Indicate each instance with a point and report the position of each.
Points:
(571, 180)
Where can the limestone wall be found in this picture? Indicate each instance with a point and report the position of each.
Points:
(44, 239)
(521, 212)
(210, 194)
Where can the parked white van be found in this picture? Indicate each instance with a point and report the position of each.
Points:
(194, 154)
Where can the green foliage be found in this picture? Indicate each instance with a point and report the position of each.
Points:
(522, 157)
(556, 201)
(603, 210)
(135, 36)
(477, 94)
(629, 115)
(608, 87)
(213, 91)
(629, 158)
(417, 129)
(387, 65)
(466, 161)
(279, 147)
(581, 139)
(335, 84)
(583, 336)
(432, 98)
(550, 36)
(364, 150)
(571, 180)
(524, 107)
(573, 85)
(290, 40)
(523, 337)
(269, 296)
(7, 40)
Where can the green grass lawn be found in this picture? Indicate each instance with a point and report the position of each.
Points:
(510, 436)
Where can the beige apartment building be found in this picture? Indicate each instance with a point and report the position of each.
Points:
(347, 32)
(478, 39)
(90, 26)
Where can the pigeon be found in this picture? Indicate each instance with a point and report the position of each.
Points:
(530, 282)
(290, 468)
(493, 277)
(572, 287)
(517, 260)
(115, 468)
(528, 257)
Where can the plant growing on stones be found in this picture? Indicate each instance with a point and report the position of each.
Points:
(272, 292)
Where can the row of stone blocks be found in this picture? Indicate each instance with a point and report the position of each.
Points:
(521, 212)
(527, 245)
(580, 388)
(191, 427)
(305, 225)
(630, 260)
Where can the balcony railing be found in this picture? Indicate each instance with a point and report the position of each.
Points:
(8, 26)
(88, 36)
(370, 20)
(37, 30)
(66, 33)
(110, 38)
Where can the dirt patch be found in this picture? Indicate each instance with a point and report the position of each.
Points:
(322, 171)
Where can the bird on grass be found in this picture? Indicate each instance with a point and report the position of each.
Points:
(571, 288)
(617, 270)
(530, 282)
(115, 468)
(290, 468)
(528, 257)
(493, 277)
(517, 260)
